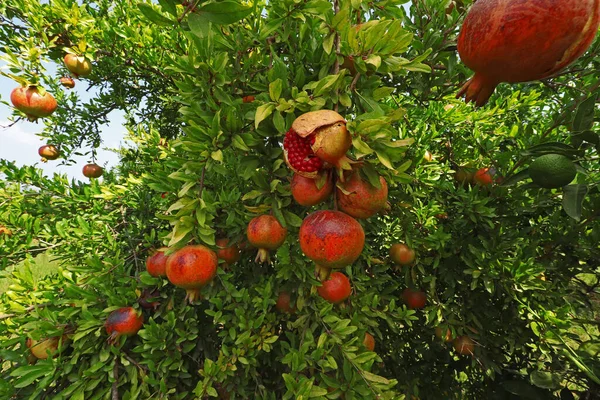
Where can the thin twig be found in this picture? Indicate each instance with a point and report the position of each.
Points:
(115, 385)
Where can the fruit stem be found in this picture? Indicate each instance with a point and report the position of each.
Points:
(322, 273)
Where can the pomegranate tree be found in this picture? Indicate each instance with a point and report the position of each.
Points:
(316, 140)
(125, 321)
(310, 192)
(78, 65)
(34, 101)
(359, 198)
(336, 289)
(48, 152)
(92, 170)
(192, 268)
(156, 264)
(228, 253)
(265, 233)
(520, 41)
(331, 239)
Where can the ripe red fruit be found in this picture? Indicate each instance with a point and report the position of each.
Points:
(464, 345)
(306, 192)
(401, 254)
(156, 264)
(508, 41)
(67, 82)
(125, 321)
(44, 348)
(316, 138)
(283, 304)
(248, 99)
(49, 152)
(484, 177)
(369, 341)
(414, 299)
(266, 233)
(33, 102)
(336, 289)
(331, 239)
(229, 254)
(446, 338)
(93, 171)
(78, 65)
(192, 268)
(148, 299)
(360, 199)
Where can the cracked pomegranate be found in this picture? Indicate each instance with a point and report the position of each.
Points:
(125, 321)
(520, 41)
(229, 254)
(156, 264)
(331, 239)
(316, 140)
(336, 289)
(265, 233)
(306, 191)
(359, 199)
(191, 268)
(32, 101)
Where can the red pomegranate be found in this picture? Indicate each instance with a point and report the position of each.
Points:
(484, 176)
(67, 82)
(520, 41)
(440, 335)
(78, 65)
(192, 268)
(248, 99)
(336, 289)
(125, 321)
(284, 303)
(44, 348)
(369, 341)
(464, 345)
(34, 101)
(360, 199)
(401, 254)
(149, 299)
(266, 233)
(49, 152)
(317, 138)
(414, 299)
(331, 239)
(229, 254)
(92, 170)
(310, 192)
(156, 264)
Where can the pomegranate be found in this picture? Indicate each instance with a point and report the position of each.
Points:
(284, 303)
(336, 289)
(401, 254)
(34, 101)
(248, 99)
(520, 41)
(148, 299)
(192, 268)
(229, 254)
(484, 176)
(125, 321)
(464, 345)
(306, 191)
(414, 299)
(331, 239)
(317, 138)
(93, 170)
(156, 264)
(78, 65)
(369, 341)
(446, 338)
(266, 233)
(48, 152)
(67, 82)
(360, 199)
(44, 348)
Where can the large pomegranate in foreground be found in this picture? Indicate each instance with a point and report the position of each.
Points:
(125, 321)
(33, 101)
(156, 264)
(92, 170)
(266, 233)
(306, 191)
(192, 268)
(519, 41)
(315, 139)
(331, 239)
(78, 65)
(48, 152)
(360, 199)
(336, 289)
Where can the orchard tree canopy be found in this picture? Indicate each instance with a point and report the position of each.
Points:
(306, 210)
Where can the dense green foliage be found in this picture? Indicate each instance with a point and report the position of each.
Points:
(513, 266)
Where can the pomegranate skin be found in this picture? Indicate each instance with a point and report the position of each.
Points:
(156, 264)
(336, 289)
(331, 239)
(363, 199)
(306, 193)
(229, 254)
(27, 99)
(284, 303)
(191, 268)
(92, 170)
(414, 299)
(266, 233)
(123, 322)
(523, 40)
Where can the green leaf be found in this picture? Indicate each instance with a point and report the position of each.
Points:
(223, 12)
(545, 380)
(573, 196)
(375, 378)
(154, 16)
(584, 118)
(275, 89)
(516, 178)
(262, 112)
